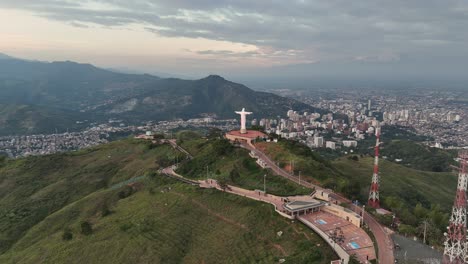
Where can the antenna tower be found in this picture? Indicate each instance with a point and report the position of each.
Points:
(455, 250)
(374, 200)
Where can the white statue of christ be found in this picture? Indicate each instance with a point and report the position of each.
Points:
(243, 115)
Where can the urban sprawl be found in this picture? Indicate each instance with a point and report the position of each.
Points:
(349, 120)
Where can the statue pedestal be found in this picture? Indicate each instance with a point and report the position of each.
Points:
(243, 131)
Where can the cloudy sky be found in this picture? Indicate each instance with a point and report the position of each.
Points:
(198, 37)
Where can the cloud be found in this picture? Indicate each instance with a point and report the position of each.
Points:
(335, 30)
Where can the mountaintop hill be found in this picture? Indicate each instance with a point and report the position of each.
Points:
(96, 95)
(80, 207)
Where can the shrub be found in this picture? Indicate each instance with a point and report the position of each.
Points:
(67, 235)
(125, 227)
(86, 228)
(105, 211)
(126, 192)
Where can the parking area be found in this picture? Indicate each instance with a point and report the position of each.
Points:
(411, 251)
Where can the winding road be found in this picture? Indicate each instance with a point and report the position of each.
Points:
(383, 239)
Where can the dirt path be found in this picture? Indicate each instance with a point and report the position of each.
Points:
(223, 218)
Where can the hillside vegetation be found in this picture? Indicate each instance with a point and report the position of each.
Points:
(413, 195)
(67, 92)
(297, 158)
(35, 187)
(226, 163)
(80, 207)
(168, 222)
(419, 157)
(412, 186)
(27, 119)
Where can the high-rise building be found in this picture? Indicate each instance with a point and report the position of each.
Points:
(318, 142)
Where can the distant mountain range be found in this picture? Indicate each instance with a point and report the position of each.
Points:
(40, 97)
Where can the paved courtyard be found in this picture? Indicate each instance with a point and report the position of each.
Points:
(356, 241)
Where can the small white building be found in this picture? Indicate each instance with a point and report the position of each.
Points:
(330, 145)
(350, 143)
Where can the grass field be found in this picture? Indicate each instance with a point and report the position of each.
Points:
(397, 180)
(168, 222)
(293, 156)
(44, 199)
(234, 165)
(35, 187)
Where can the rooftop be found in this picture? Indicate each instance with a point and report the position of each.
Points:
(303, 205)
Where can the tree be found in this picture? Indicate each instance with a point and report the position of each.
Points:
(419, 211)
(222, 183)
(67, 235)
(407, 230)
(214, 133)
(126, 192)
(221, 147)
(234, 175)
(433, 234)
(2, 159)
(86, 228)
(105, 211)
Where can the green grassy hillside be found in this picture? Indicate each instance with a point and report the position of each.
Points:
(411, 185)
(35, 187)
(73, 208)
(418, 156)
(169, 222)
(355, 172)
(28, 119)
(232, 165)
(412, 195)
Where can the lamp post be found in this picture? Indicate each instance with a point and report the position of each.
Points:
(425, 229)
(264, 184)
(363, 212)
(299, 177)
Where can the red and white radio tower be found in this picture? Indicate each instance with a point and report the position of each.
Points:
(455, 251)
(374, 200)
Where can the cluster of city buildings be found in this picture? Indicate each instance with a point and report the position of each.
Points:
(440, 115)
(21, 146)
(315, 129)
(43, 144)
(351, 117)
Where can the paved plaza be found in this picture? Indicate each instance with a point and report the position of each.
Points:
(356, 241)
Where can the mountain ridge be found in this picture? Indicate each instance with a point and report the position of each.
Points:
(88, 92)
